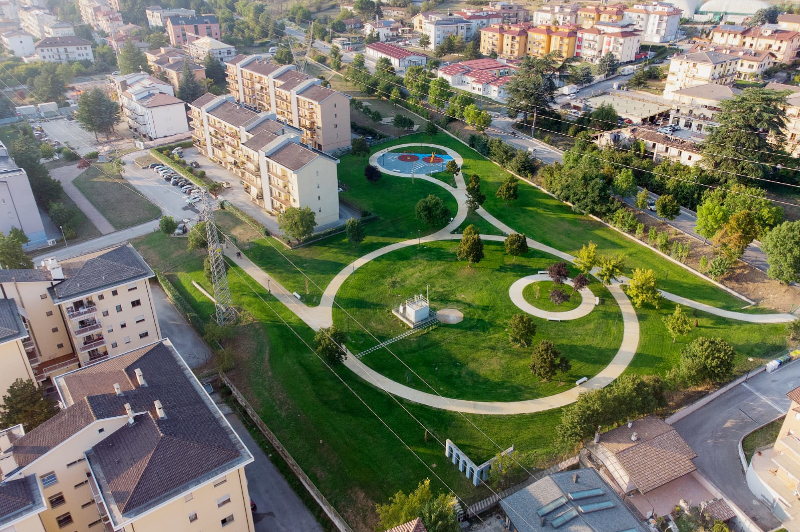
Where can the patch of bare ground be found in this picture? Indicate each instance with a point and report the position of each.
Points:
(360, 511)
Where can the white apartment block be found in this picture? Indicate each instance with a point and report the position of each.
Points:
(200, 48)
(556, 15)
(595, 42)
(700, 68)
(138, 445)
(384, 30)
(17, 204)
(18, 43)
(657, 21)
(278, 170)
(440, 29)
(157, 16)
(34, 20)
(64, 49)
(150, 107)
(59, 28)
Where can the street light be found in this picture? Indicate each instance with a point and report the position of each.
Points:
(63, 235)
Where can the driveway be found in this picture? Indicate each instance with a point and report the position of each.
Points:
(279, 509)
(173, 326)
(714, 432)
(66, 175)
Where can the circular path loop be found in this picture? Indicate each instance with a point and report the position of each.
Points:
(515, 293)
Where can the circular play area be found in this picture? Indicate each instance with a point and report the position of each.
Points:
(413, 160)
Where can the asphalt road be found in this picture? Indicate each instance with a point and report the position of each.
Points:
(173, 326)
(714, 432)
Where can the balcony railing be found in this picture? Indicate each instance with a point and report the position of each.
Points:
(88, 346)
(83, 331)
(42, 373)
(28, 345)
(82, 312)
(282, 201)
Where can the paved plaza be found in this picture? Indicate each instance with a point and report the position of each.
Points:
(414, 163)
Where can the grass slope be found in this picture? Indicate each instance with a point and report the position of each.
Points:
(114, 197)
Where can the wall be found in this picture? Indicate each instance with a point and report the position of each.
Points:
(15, 365)
(16, 199)
(317, 188)
(334, 115)
(168, 120)
(31, 524)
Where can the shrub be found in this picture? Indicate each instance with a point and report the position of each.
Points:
(70, 155)
(91, 155)
(201, 173)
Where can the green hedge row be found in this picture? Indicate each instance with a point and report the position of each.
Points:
(178, 168)
(180, 303)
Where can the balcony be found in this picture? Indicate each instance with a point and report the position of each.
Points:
(93, 344)
(87, 329)
(28, 344)
(282, 201)
(49, 367)
(81, 312)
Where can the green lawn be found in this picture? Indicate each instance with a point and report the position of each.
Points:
(766, 435)
(84, 227)
(445, 177)
(484, 227)
(542, 301)
(116, 199)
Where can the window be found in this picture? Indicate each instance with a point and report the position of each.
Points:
(101, 297)
(220, 482)
(57, 500)
(228, 520)
(87, 504)
(222, 501)
(127, 339)
(188, 497)
(48, 479)
(193, 517)
(93, 523)
(119, 308)
(76, 462)
(132, 287)
(79, 484)
(99, 431)
(60, 346)
(140, 318)
(66, 520)
(105, 313)
(113, 345)
(54, 329)
(43, 296)
(49, 313)
(136, 303)
(122, 325)
(114, 292)
(144, 334)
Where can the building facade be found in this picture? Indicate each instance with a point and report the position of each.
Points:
(399, 57)
(510, 13)
(183, 30)
(439, 27)
(556, 15)
(157, 16)
(485, 77)
(59, 28)
(64, 49)
(18, 202)
(34, 20)
(595, 42)
(700, 68)
(200, 48)
(150, 107)
(322, 114)
(783, 44)
(588, 16)
(384, 30)
(18, 43)
(657, 21)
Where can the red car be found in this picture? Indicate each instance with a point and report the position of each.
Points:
(253, 506)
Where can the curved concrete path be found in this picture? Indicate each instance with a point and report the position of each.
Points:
(515, 293)
(322, 315)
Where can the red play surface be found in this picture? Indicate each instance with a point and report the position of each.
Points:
(406, 158)
(432, 159)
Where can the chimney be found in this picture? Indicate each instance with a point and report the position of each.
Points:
(129, 411)
(634, 437)
(51, 265)
(123, 85)
(117, 389)
(575, 478)
(597, 435)
(140, 377)
(160, 410)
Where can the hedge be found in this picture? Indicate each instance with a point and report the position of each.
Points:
(178, 168)
(243, 216)
(180, 303)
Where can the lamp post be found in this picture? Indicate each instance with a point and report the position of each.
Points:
(63, 235)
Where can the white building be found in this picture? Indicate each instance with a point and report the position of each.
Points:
(658, 145)
(485, 77)
(203, 46)
(18, 43)
(64, 49)
(595, 42)
(150, 107)
(440, 29)
(17, 204)
(157, 16)
(33, 21)
(400, 57)
(383, 29)
(658, 21)
(700, 68)
(59, 28)
(556, 14)
(9, 10)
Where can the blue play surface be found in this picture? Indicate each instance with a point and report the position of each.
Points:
(393, 162)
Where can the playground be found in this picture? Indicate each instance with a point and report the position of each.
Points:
(415, 162)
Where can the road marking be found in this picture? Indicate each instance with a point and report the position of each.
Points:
(764, 398)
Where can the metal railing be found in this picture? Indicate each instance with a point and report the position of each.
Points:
(82, 331)
(92, 345)
(85, 311)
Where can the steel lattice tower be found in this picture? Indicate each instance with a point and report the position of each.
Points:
(222, 293)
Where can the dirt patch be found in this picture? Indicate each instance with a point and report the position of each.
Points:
(449, 316)
(360, 511)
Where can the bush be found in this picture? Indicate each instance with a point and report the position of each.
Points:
(70, 155)
(624, 220)
(91, 155)
(201, 173)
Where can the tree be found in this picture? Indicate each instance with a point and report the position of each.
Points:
(47, 150)
(476, 117)
(604, 117)
(587, 257)
(558, 296)
(458, 103)
(60, 214)
(431, 129)
(533, 87)
(214, 69)
(189, 89)
(643, 288)
(516, 245)
(402, 121)
(283, 56)
(581, 75)
(437, 513)
(611, 269)
(508, 190)
(642, 199)
(49, 86)
(452, 167)
(297, 223)
(355, 230)
(668, 207)
(793, 329)
(624, 184)
(502, 471)
(706, 360)
(336, 57)
(719, 267)
(677, 323)
(97, 112)
(424, 41)
(521, 330)
(131, 59)
(432, 210)
(736, 234)
(439, 93)
(168, 225)
(26, 153)
(417, 82)
(470, 248)
(558, 272)
(475, 197)
(359, 147)
(329, 344)
(711, 216)
(768, 15)
(12, 257)
(544, 360)
(607, 65)
(25, 403)
(782, 246)
(197, 237)
(372, 173)
(580, 282)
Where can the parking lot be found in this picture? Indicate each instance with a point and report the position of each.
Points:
(69, 132)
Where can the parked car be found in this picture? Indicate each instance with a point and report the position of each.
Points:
(191, 200)
(194, 164)
(226, 184)
(180, 230)
(651, 205)
(153, 166)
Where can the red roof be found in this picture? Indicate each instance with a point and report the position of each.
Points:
(481, 76)
(482, 64)
(452, 70)
(392, 51)
(499, 82)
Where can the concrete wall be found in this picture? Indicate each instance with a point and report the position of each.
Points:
(334, 117)
(167, 120)
(31, 524)
(15, 365)
(316, 187)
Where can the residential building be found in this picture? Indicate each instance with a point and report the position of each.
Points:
(595, 42)
(86, 8)
(13, 357)
(183, 30)
(515, 41)
(59, 28)
(564, 40)
(556, 14)
(700, 68)
(485, 77)
(479, 20)
(569, 501)
(400, 58)
(138, 445)
(169, 62)
(157, 16)
(353, 23)
(150, 107)
(16, 199)
(588, 16)
(64, 49)
(108, 20)
(784, 44)
(657, 21)
(200, 48)
(384, 30)
(789, 22)
(659, 146)
(82, 310)
(412, 526)
(439, 27)
(792, 116)
(18, 42)
(34, 20)
(23, 499)
(694, 108)
(511, 13)
(9, 10)
(752, 63)
(277, 169)
(322, 114)
(118, 40)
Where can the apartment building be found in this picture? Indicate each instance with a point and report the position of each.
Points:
(695, 108)
(440, 27)
(9, 10)
(700, 68)
(556, 14)
(508, 41)
(59, 28)
(137, 446)
(510, 13)
(108, 20)
(150, 107)
(82, 310)
(658, 21)
(169, 62)
(792, 116)
(479, 19)
(183, 30)
(783, 44)
(157, 16)
(322, 114)
(278, 170)
(13, 358)
(34, 20)
(64, 49)
(588, 16)
(384, 30)
(789, 22)
(18, 42)
(200, 48)
(752, 63)
(16, 199)
(595, 42)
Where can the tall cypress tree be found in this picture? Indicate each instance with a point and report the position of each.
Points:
(214, 70)
(189, 88)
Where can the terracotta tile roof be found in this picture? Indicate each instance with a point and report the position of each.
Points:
(786, 17)
(482, 64)
(62, 41)
(232, 114)
(20, 499)
(720, 510)
(481, 76)
(390, 50)
(653, 463)
(52, 432)
(490, 30)
(264, 68)
(646, 428)
(794, 395)
(499, 82)
(293, 156)
(412, 526)
(452, 70)
(237, 59)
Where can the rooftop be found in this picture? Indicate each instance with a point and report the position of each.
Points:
(391, 50)
(412, 526)
(316, 93)
(11, 326)
(293, 156)
(19, 499)
(264, 68)
(62, 41)
(191, 21)
(714, 58)
(709, 91)
(210, 43)
(160, 100)
(203, 100)
(231, 113)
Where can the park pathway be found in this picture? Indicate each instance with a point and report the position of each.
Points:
(515, 293)
(66, 175)
(321, 316)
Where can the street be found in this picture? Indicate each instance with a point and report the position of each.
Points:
(714, 432)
